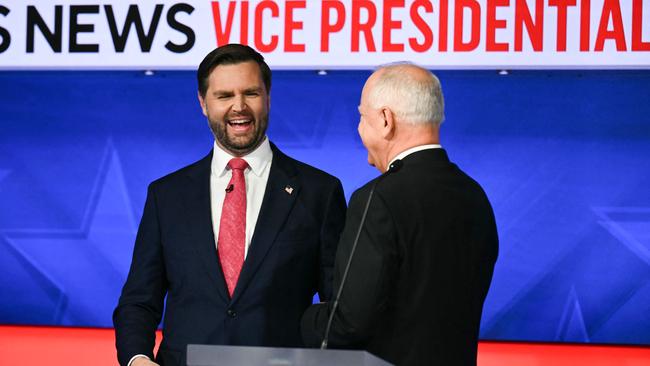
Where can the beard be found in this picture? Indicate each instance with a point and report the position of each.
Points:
(239, 145)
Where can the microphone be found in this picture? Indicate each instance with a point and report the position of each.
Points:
(394, 166)
(230, 188)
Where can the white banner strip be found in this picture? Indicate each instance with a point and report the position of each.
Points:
(315, 34)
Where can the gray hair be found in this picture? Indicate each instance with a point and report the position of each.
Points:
(413, 100)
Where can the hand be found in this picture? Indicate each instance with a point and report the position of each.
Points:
(143, 361)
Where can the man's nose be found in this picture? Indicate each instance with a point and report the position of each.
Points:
(239, 104)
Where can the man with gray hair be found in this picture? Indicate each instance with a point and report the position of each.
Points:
(416, 256)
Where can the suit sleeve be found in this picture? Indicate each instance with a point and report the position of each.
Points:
(367, 288)
(329, 237)
(140, 307)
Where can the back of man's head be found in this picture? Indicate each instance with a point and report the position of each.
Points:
(228, 55)
(414, 94)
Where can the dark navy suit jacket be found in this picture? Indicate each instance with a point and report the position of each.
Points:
(290, 257)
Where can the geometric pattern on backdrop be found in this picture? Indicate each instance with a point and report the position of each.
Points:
(561, 154)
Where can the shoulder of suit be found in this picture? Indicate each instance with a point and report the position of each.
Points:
(311, 170)
(363, 191)
(387, 184)
(201, 166)
(305, 170)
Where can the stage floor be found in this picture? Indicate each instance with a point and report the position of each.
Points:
(26, 345)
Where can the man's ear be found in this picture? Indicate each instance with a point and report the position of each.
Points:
(388, 129)
(202, 103)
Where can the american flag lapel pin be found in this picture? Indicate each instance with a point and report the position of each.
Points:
(288, 189)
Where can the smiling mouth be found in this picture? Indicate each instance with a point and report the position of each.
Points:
(240, 123)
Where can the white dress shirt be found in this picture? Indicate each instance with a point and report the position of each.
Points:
(256, 175)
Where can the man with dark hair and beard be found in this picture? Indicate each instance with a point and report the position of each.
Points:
(238, 242)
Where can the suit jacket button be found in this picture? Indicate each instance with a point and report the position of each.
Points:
(231, 313)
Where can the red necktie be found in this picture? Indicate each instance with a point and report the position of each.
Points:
(232, 229)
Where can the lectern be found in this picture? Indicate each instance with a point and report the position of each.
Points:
(206, 355)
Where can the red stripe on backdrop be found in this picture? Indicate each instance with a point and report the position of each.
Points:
(54, 346)
(25, 345)
(540, 354)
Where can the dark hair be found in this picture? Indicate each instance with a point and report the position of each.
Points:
(231, 54)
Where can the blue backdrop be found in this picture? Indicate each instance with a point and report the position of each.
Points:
(563, 155)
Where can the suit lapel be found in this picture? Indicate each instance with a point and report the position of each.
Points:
(281, 192)
(199, 218)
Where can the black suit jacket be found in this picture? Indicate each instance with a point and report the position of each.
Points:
(290, 258)
(421, 270)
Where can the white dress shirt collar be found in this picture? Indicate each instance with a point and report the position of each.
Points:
(258, 160)
(412, 150)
